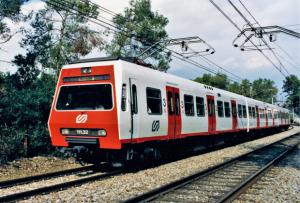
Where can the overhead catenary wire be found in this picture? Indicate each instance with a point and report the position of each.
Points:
(249, 24)
(237, 27)
(256, 21)
(117, 30)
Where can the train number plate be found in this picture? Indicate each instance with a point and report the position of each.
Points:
(82, 132)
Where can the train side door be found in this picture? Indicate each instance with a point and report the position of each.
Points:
(135, 119)
(174, 113)
(211, 114)
(234, 115)
(257, 117)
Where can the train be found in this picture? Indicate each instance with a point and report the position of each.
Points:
(115, 109)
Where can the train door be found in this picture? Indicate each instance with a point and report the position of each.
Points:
(234, 115)
(257, 117)
(211, 114)
(174, 113)
(135, 119)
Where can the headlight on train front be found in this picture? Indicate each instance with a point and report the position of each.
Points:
(101, 133)
(65, 131)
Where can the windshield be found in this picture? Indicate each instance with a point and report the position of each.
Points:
(85, 97)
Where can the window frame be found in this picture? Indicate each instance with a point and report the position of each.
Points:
(201, 106)
(112, 92)
(193, 104)
(218, 107)
(134, 103)
(228, 112)
(244, 111)
(160, 99)
(124, 98)
(240, 111)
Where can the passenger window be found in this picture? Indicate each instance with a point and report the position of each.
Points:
(240, 111)
(170, 103)
(200, 106)
(250, 111)
(154, 101)
(253, 112)
(189, 105)
(244, 111)
(227, 109)
(220, 109)
(233, 111)
(177, 104)
(123, 100)
(134, 100)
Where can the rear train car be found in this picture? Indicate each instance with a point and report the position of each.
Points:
(110, 109)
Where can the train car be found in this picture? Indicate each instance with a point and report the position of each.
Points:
(111, 109)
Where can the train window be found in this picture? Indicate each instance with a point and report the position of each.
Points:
(200, 106)
(220, 109)
(170, 103)
(227, 109)
(244, 111)
(250, 112)
(233, 110)
(85, 97)
(123, 100)
(189, 105)
(253, 112)
(240, 110)
(134, 100)
(177, 104)
(154, 101)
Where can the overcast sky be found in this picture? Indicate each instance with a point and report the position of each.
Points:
(201, 18)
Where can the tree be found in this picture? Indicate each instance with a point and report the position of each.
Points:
(59, 35)
(264, 90)
(219, 80)
(291, 85)
(141, 28)
(245, 88)
(9, 9)
(234, 87)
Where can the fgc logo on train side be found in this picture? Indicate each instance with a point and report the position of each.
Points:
(81, 118)
(155, 126)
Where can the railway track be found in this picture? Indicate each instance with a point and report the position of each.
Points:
(30, 179)
(224, 182)
(85, 175)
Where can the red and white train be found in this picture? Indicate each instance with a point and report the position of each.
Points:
(110, 109)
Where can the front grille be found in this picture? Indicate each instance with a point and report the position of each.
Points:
(75, 140)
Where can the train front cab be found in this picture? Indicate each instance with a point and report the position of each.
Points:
(84, 108)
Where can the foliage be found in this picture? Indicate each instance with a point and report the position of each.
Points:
(59, 36)
(9, 9)
(219, 80)
(291, 86)
(262, 89)
(141, 28)
(24, 114)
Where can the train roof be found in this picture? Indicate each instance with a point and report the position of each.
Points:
(136, 61)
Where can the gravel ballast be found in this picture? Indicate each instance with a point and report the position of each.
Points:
(35, 166)
(280, 184)
(122, 187)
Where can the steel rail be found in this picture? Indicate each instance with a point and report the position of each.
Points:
(156, 193)
(29, 179)
(236, 192)
(56, 187)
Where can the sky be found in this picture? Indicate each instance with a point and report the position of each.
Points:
(200, 18)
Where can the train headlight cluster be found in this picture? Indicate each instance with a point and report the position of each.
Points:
(65, 131)
(101, 133)
(83, 132)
